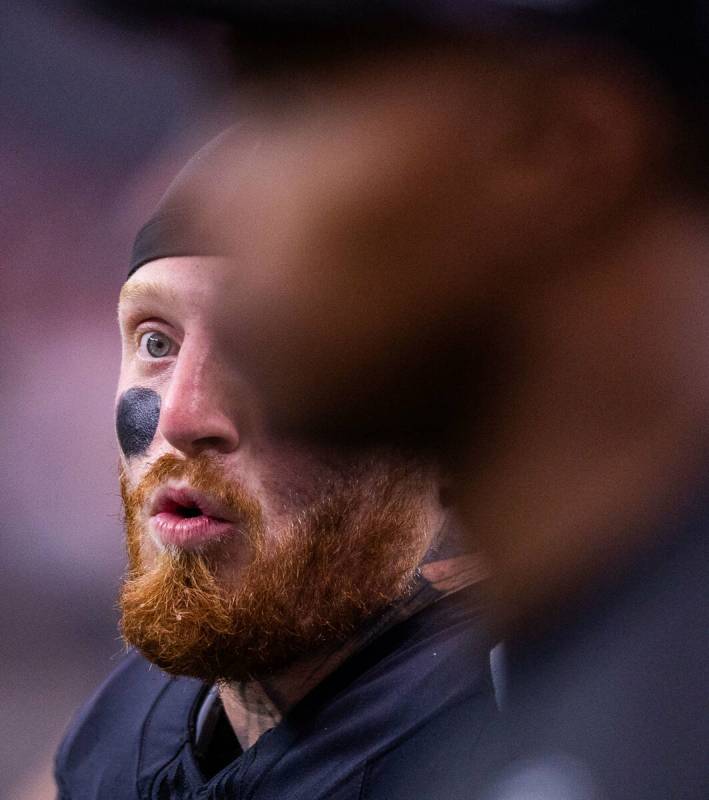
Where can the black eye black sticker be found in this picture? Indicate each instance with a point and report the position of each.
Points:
(137, 416)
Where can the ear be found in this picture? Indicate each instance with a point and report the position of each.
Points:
(590, 137)
(445, 494)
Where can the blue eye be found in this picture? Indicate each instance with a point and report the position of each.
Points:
(155, 344)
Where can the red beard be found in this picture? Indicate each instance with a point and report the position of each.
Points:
(342, 560)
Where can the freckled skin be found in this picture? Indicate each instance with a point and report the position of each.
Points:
(137, 416)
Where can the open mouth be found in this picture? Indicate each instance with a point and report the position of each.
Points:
(186, 510)
(187, 519)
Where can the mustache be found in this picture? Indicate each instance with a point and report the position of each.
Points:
(204, 474)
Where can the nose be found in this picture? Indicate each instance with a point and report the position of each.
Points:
(197, 413)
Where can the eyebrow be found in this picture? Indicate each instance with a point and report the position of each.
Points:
(145, 290)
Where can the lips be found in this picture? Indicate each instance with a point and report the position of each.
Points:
(185, 518)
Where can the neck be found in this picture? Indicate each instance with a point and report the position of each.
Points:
(254, 707)
(604, 426)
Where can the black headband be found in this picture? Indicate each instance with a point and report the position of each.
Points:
(171, 232)
(174, 229)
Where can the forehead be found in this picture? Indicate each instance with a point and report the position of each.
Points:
(136, 291)
(174, 281)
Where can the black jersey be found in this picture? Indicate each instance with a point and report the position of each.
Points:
(412, 715)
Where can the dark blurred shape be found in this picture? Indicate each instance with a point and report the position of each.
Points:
(672, 35)
(609, 696)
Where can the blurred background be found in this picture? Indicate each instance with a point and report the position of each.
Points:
(97, 115)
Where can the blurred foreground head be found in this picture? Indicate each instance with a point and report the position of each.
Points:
(406, 173)
(485, 235)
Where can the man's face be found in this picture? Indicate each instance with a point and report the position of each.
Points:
(246, 552)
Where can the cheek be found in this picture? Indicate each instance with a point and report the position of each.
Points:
(137, 415)
(294, 482)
